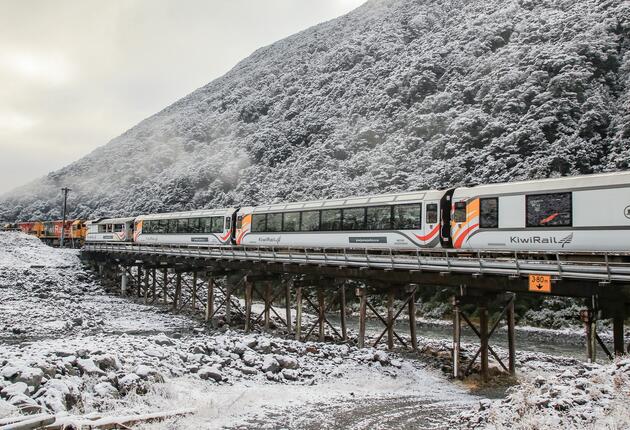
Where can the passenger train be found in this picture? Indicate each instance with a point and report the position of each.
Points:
(580, 213)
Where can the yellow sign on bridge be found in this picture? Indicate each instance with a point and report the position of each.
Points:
(540, 283)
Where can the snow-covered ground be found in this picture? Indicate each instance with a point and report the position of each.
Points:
(67, 347)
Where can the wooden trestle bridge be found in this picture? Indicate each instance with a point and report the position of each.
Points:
(488, 280)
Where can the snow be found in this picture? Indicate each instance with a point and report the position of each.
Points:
(396, 95)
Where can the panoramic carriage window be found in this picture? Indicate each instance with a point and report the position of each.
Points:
(259, 222)
(274, 222)
(118, 227)
(194, 225)
(379, 217)
(163, 226)
(459, 214)
(408, 217)
(217, 224)
(310, 221)
(205, 225)
(291, 221)
(489, 212)
(182, 225)
(549, 210)
(432, 213)
(331, 219)
(101, 228)
(353, 219)
(172, 226)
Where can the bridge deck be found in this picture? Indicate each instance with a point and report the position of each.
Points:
(598, 267)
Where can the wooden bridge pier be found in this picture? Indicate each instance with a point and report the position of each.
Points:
(483, 302)
(599, 309)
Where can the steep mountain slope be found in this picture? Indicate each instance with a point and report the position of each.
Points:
(396, 95)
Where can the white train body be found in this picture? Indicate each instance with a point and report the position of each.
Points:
(569, 214)
(110, 230)
(202, 228)
(582, 213)
(402, 220)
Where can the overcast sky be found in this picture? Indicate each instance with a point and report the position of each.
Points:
(76, 73)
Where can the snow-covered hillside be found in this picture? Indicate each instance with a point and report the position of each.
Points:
(396, 95)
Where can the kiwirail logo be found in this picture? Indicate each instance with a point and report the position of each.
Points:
(626, 212)
(544, 240)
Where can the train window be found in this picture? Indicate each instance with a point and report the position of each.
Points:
(194, 225)
(205, 225)
(217, 224)
(489, 212)
(259, 222)
(239, 222)
(408, 217)
(432, 213)
(379, 218)
(310, 221)
(228, 223)
(291, 221)
(459, 213)
(182, 225)
(172, 226)
(101, 228)
(110, 228)
(163, 226)
(354, 219)
(549, 210)
(331, 219)
(118, 227)
(274, 222)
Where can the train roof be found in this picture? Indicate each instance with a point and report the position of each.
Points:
(111, 220)
(375, 200)
(600, 180)
(189, 214)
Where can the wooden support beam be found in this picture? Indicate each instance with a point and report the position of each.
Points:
(268, 302)
(361, 293)
(483, 335)
(298, 313)
(139, 282)
(511, 337)
(322, 312)
(123, 282)
(178, 290)
(147, 280)
(193, 303)
(457, 332)
(154, 282)
(210, 301)
(390, 318)
(618, 341)
(165, 285)
(342, 312)
(249, 285)
(287, 304)
(412, 318)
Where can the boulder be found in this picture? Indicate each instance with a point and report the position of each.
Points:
(382, 357)
(30, 376)
(250, 358)
(15, 389)
(106, 390)
(210, 372)
(286, 362)
(270, 364)
(162, 339)
(89, 367)
(290, 374)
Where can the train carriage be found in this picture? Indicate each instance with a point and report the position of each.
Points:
(401, 220)
(203, 227)
(580, 213)
(110, 230)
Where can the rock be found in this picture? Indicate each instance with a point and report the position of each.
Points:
(106, 390)
(286, 362)
(8, 372)
(77, 321)
(153, 352)
(88, 366)
(210, 372)
(25, 404)
(107, 362)
(381, 357)
(290, 374)
(131, 382)
(58, 396)
(263, 345)
(250, 358)
(240, 349)
(149, 373)
(246, 370)
(30, 376)
(162, 339)
(273, 377)
(270, 364)
(14, 390)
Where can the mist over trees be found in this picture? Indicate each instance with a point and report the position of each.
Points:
(397, 95)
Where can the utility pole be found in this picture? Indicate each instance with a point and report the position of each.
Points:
(63, 222)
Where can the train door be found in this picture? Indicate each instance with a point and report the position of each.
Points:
(430, 235)
(445, 219)
(233, 229)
